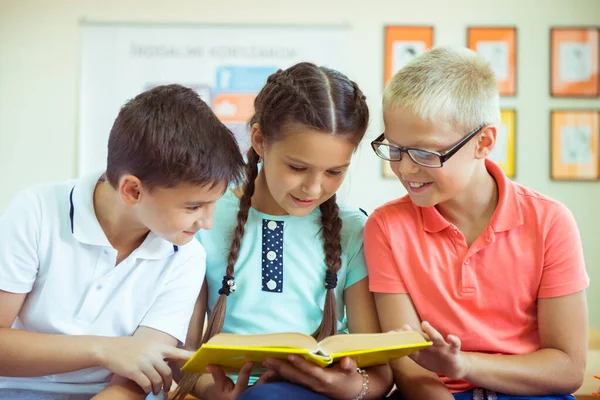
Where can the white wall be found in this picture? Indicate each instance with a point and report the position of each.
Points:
(39, 68)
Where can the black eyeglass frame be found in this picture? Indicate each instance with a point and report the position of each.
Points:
(442, 156)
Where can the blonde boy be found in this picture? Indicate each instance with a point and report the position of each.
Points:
(497, 269)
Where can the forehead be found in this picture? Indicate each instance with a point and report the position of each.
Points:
(314, 148)
(407, 129)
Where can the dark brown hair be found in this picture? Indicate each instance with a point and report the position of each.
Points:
(321, 99)
(167, 136)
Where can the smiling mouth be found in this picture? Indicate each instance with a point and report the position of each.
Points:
(303, 201)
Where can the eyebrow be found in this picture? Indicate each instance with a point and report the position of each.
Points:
(304, 163)
(418, 145)
(197, 203)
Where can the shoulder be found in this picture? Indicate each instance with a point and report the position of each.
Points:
(535, 205)
(401, 209)
(49, 198)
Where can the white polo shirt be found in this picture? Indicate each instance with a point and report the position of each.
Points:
(53, 248)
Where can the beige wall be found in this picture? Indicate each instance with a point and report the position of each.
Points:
(39, 69)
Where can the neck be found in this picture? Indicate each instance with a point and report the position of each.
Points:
(121, 228)
(262, 200)
(475, 205)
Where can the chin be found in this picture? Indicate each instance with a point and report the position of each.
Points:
(424, 202)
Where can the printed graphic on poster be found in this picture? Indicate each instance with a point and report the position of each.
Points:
(226, 65)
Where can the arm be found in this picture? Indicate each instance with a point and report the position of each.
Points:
(26, 354)
(413, 381)
(558, 367)
(362, 318)
(395, 310)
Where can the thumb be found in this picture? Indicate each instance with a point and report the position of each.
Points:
(348, 364)
(175, 353)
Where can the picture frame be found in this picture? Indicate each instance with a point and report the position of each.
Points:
(505, 152)
(498, 45)
(574, 145)
(402, 44)
(574, 61)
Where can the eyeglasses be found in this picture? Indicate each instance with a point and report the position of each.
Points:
(424, 158)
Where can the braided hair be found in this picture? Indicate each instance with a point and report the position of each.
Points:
(324, 100)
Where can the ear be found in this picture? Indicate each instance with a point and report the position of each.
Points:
(486, 142)
(257, 140)
(130, 189)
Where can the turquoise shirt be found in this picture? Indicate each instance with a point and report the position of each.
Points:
(280, 281)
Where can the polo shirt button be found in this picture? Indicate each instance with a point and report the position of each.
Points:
(467, 261)
(272, 225)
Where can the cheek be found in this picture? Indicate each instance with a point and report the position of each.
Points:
(281, 179)
(332, 184)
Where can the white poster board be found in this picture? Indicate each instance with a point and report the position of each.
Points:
(226, 65)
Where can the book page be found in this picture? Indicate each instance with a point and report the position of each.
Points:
(366, 341)
(288, 339)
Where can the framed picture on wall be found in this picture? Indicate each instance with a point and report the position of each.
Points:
(574, 145)
(574, 62)
(402, 44)
(504, 152)
(498, 45)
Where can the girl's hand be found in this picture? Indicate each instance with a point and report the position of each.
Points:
(140, 360)
(444, 356)
(340, 381)
(224, 388)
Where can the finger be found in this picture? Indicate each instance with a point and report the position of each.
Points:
(143, 382)
(348, 365)
(407, 328)
(454, 342)
(306, 371)
(266, 377)
(290, 372)
(166, 373)
(434, 335)
(243, 378)
(155, 379)
(218, 375)
(175, 353)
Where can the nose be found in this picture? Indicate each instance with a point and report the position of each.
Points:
(205, 221)
(406, 166)
(312, 186)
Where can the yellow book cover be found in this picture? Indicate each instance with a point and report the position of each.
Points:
(232, 351)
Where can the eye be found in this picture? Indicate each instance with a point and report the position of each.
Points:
(297, 169)
(335, 172)
(194, 208)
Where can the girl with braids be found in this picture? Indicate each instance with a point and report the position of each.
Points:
(283, 255)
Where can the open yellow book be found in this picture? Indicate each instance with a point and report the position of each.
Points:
(232, 351)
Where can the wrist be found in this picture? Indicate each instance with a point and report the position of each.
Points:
(466, 365)
(97, 352)
(364, 388)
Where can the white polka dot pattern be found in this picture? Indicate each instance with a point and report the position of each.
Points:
(272, 256)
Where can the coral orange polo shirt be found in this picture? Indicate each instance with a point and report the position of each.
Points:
(486, 294)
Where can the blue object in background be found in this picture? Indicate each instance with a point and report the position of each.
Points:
(242, 79)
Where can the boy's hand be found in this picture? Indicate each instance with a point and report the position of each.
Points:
(140, 360)
(340, 381)
(597, 394)
(443, 356)
(224, 388)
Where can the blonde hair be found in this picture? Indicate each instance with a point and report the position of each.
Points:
(455, 85)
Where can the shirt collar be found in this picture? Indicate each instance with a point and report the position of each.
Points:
(508, 212)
